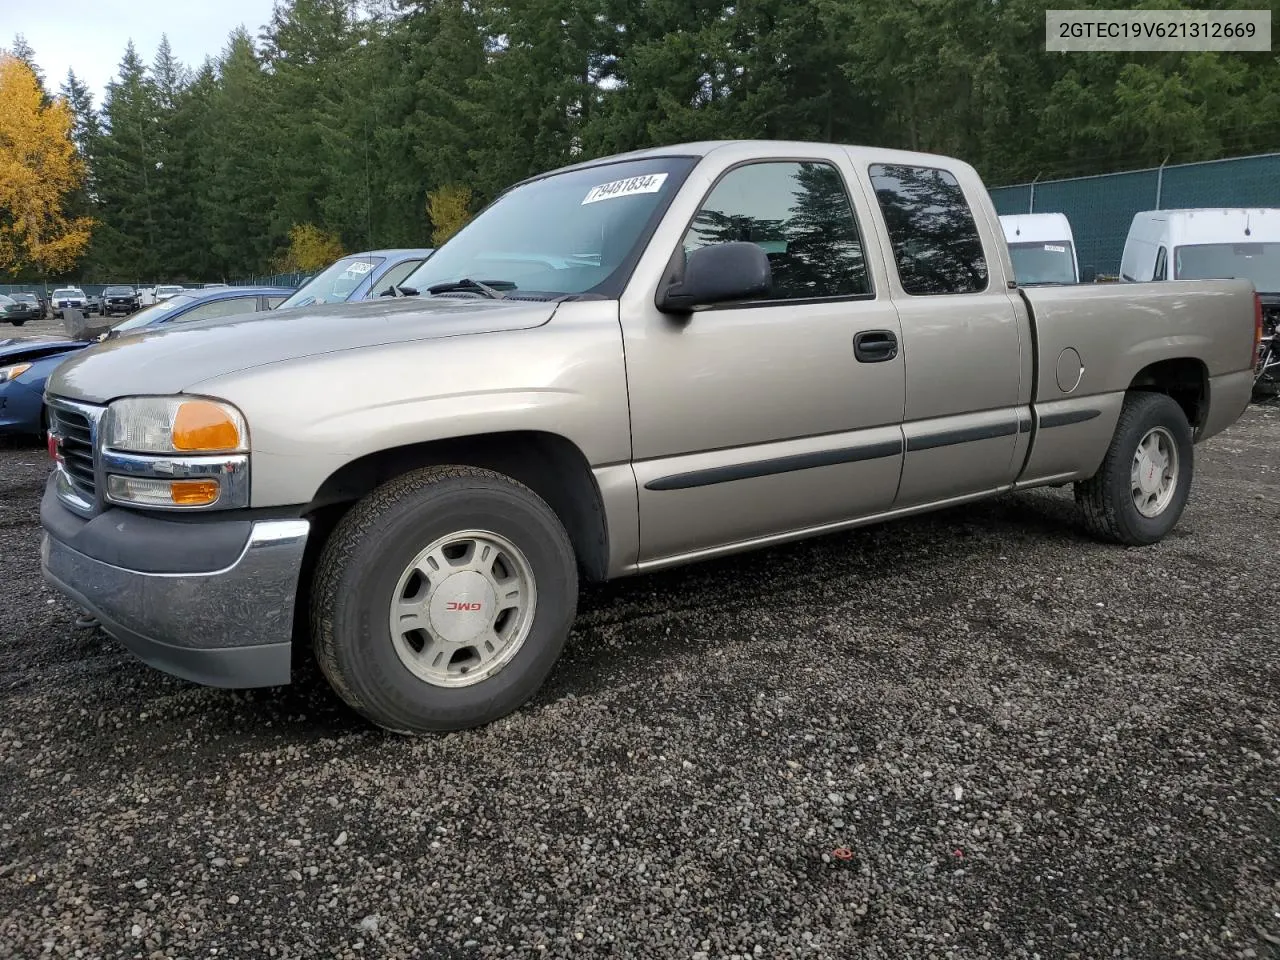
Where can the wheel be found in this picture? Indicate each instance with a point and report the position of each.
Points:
(17, 323)
(443, 599)
(1139, 492)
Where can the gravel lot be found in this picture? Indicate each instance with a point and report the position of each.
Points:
(1030, 745)
(41, 329)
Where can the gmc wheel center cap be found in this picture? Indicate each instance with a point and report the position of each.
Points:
(462, 607)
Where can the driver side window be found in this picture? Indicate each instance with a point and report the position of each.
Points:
(800, 214)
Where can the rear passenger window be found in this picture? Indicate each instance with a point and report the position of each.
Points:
(935, 240)
(800, 213)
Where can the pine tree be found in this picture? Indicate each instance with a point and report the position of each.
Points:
(126, 245)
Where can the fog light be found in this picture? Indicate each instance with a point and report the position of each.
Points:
(150, 492)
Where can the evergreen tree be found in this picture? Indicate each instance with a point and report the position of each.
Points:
(125, 246)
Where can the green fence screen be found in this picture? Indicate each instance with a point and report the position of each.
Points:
(1101, 208)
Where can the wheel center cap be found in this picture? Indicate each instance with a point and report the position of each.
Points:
(1148, 475)
(462, 607)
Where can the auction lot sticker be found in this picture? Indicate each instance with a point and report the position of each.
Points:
(650, 183)
(1136, 30)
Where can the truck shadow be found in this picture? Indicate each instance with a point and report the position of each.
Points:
(627, 628)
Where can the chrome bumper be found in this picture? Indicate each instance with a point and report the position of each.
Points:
(228, 628)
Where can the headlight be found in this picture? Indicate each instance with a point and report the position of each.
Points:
(13, 372)
(175, 425)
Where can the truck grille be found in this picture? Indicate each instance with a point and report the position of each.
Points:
(76, 433)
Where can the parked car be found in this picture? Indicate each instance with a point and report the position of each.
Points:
(21, 307)
(1043, 249)
(166, 290)
(121, 299)
(65, 298)
(360, 276)
(25, 365)
(631, 363)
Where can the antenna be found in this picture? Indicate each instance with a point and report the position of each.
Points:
(1247, 231)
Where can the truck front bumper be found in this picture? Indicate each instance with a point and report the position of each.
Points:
(230, 626)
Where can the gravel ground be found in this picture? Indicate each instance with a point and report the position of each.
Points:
(1028, 744)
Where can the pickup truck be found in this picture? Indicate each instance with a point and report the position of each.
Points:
(618, 366)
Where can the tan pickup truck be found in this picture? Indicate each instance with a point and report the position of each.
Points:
(626, 364)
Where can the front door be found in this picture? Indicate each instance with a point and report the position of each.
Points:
(757, 420)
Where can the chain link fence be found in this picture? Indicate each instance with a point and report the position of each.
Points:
(1101, 207)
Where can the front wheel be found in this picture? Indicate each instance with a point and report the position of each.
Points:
(443, 599)
(1141, 489)
(17, 323)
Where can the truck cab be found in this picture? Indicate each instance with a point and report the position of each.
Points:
(1205, 243)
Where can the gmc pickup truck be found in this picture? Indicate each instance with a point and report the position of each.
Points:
(621, 365)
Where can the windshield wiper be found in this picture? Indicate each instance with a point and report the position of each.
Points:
(490, 289)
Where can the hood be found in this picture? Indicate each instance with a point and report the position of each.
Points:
(16, 350)
(168, 360)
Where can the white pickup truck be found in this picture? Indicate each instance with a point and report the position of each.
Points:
(624, 365)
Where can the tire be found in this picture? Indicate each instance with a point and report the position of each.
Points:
(1107, 500)
(363, 566)
(17, 323)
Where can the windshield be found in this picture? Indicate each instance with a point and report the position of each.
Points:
(67, 292)
(153, 313)
(26, 297)
(117, 291)
(5, 301)
(570, 233)
(1043, 262)
(1259, 262)
(333, 284)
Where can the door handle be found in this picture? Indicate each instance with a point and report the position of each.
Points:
(875, 346)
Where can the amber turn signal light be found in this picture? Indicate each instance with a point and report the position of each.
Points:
(193, 493)
(203, 426)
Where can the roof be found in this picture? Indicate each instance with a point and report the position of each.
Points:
(1216, 224)
(228, 293)
(702, 148)
(405, 252)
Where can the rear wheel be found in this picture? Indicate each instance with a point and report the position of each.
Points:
(1141, 489)
(443, 599)
(17, 323)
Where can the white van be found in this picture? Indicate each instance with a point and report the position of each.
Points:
(1211, 243)
(1042, 248)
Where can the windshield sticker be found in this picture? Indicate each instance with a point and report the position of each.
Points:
(651, 183)
(1052, 248)
(359, 268)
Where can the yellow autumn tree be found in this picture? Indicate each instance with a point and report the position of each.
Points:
(39, 167)
(310, 248)
(449, 210)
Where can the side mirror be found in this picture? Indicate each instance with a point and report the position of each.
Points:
(1088, 274)
(738, 270)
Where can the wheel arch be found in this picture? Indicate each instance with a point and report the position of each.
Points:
(1185, 379)
(549, 464)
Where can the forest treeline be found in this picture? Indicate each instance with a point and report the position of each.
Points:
(348, 117)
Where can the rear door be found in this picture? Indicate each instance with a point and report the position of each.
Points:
(962, 338)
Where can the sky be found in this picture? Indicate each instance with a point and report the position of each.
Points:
(90, 35)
